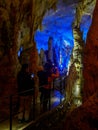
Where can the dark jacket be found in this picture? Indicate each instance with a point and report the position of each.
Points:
(43, 79)
(25, 83)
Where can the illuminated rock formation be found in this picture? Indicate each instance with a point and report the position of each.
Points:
(85, 117)
(42, 57)
(75, 76)
(50, 49)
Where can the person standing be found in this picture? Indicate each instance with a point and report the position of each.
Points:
(41, 78)
(26, 91)
(50, 75)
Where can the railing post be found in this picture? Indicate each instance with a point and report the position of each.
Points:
(53, 84)
(10, 112)
(34, 105)
(60, 88)
(50, 100)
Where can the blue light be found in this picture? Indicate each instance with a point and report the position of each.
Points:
(85, 24)
(57, 98)
(59, 26)
(20, 51)
(62, 38)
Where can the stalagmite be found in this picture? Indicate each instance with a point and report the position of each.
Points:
(75, 77)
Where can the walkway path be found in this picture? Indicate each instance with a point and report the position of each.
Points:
(56, 99)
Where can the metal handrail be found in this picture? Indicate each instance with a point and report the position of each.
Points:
(10, 97)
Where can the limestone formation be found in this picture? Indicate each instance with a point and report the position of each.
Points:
(85, 117)
(18, 22)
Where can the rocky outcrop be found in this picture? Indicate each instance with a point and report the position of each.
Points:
(85, 117)
(75, 76)
(91, 58)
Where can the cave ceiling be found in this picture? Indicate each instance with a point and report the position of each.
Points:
(59, 23)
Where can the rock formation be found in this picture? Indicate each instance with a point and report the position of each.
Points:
(85, 117)
(18, 22)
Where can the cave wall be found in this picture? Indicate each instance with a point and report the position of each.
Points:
(90, 59)
(15, 17)
(85, 117)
